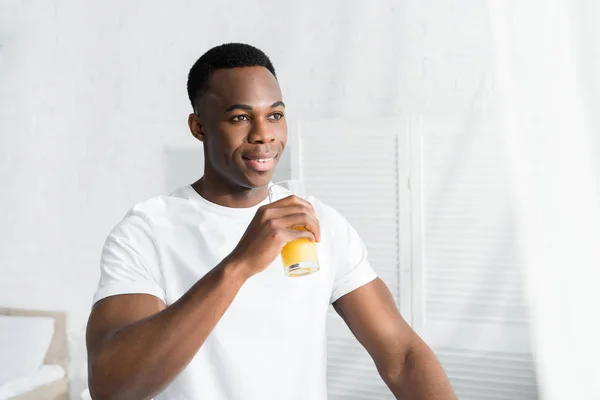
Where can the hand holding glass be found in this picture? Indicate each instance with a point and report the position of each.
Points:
(299, 256)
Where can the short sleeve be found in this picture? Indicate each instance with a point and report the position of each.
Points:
(352, 267)
(129, 262)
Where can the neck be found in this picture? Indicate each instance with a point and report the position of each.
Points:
(228, 195)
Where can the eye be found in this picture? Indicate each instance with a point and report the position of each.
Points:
(239, 118)
(276, 116)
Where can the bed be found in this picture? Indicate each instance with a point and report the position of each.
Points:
(55, 361)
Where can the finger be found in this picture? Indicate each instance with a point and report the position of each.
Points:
(286, 201)
(283, 211)
(302, 219)
(294, 234)
(291, 201)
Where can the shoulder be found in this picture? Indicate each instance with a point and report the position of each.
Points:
(156, 209)
(327, 215)
(335, 226)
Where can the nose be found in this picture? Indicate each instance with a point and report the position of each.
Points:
(261, 133)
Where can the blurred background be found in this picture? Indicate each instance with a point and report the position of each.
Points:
(460, 138)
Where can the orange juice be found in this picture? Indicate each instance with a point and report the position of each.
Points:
(299, 257)
(298, 251)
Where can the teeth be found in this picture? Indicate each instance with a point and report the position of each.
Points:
(263, 160)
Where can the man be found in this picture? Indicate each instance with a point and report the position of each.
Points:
(193, 302)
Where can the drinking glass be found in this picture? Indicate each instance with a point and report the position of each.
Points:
(299, 256)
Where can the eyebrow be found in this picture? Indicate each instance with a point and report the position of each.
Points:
(249, 108)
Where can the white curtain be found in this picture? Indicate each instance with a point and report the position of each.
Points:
(551, 147)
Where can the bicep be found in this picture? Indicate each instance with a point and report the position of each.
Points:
(115, 312)
(371, 314)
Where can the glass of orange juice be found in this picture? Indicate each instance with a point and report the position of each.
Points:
(299, 256)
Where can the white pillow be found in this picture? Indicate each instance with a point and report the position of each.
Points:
(24, 342)
(42, 377)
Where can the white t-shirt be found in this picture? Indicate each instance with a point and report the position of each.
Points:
(271, 342)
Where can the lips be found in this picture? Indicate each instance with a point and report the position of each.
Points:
(260, 162)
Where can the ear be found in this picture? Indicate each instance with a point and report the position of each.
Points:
(196, 127)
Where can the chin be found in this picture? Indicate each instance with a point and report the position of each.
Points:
(259, 180)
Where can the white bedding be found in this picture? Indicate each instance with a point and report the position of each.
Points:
(45, 375)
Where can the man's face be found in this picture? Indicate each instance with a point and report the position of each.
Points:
(241, 120)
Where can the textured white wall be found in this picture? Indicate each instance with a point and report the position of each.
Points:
(93, 107)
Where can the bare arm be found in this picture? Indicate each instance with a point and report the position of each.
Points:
(137, 345)
(406, 364)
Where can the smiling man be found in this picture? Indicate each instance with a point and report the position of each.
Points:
(193, 302)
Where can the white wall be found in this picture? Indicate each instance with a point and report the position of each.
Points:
(93, 107)
(587, 31)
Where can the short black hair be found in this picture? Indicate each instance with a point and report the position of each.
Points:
(229, 55)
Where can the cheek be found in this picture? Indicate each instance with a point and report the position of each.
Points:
(229, 148)
(282, 134)
(228, 139)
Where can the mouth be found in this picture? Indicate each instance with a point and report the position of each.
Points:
(260, 163)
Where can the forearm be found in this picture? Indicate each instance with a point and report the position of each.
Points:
(141, 359)
(419, 376)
